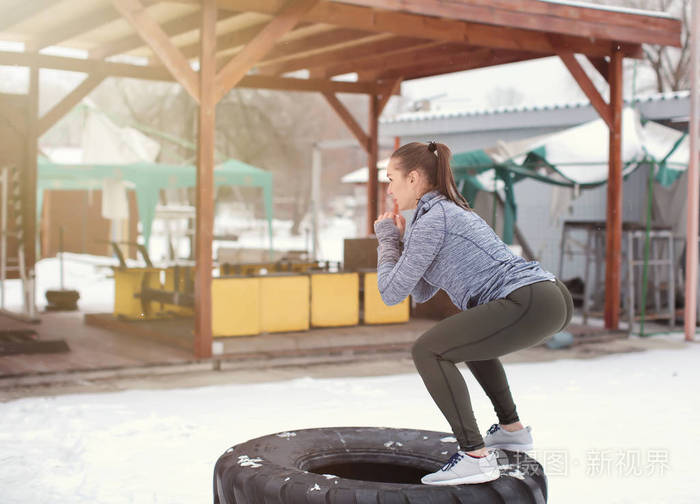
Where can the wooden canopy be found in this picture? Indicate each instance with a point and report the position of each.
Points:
(211, 46)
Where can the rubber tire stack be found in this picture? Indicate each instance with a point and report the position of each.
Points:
(363, 465)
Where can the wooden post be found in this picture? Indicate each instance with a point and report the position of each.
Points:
(614, 206)
(29, 177)
(205, 183)
(691, 247)
(373, 155)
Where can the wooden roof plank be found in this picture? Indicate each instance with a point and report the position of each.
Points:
(545, 16)
(20, 10)
(489, 58)
(239, 65)
(158, 40)
(85, 23)
(333, 55)
(408, 24)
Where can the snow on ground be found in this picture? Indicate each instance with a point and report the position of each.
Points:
(616, 429)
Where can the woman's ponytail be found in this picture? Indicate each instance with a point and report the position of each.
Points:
(445, 180)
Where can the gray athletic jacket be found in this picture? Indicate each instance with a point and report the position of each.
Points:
(449, 248)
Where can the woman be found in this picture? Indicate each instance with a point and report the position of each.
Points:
(507, 303)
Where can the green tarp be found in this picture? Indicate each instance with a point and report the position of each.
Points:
(148, 179)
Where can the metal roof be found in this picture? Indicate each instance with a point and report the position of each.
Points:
(430, 115)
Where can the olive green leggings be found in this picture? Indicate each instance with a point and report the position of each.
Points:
(478, 336)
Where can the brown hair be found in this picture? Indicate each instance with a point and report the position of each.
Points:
(433, 160)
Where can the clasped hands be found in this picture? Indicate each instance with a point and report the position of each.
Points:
(398, 219)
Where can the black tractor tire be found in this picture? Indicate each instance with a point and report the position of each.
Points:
(363, 465)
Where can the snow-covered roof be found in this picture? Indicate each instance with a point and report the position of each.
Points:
(612, 8)
(442, 114)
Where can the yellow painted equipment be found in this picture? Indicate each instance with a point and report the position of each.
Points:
(335, 299)
(284, 302)
(235, 306)
(169, 284)
(127, 284)
(376, 312)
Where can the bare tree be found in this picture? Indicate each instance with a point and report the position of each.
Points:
(671, 65)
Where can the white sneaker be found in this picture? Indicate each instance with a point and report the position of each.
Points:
(520, 440)
(463, 468)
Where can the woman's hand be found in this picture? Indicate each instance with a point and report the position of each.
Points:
(398, 219)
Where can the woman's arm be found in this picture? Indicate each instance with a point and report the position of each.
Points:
(423, 291)
(399, 274)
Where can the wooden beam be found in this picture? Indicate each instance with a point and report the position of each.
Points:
(348, 119)
(68, 102)
(379, 45)
(239, 65)
(108, 69)
(131, 42)
(443, 64)
(594, 23)
(335, 39)
(66, 31)
(293, 84)
(372, 160)
(587, 86)
(160, 73)
(234, 38)
(613, 232)
(392, 87)
(205, 183)
(29, 176)
(434, 28)
(601, 64)
(19, 10)
(415, 54)
(160, 43)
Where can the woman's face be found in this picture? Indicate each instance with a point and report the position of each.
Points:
(402, 188)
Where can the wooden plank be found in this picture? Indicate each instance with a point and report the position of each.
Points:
(601, 64)
(334, 39)
(498, 58)
(416, 54)
(234, 38)
(108, 69)
(434, 28)
(293, 84)
(691, 244)
(205, 183)
(348, 119)
(392, 88)
(86, 22)
(68, 102)
(372, 160)
(19, 10)
(381, 45)
(29, 177)
(160, 73)
(613, 232)
(160, 43)
(239, 65)
(131, 42)
(587, 86)
(545, 17)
